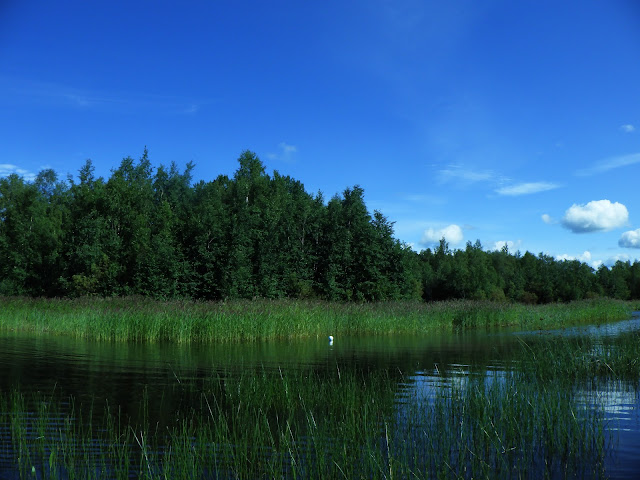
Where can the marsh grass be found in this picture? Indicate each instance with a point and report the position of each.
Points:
(568, 359)
(502, 428)
(144, 320)
(340, 423)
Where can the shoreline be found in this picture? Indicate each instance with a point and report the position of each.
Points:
(138, 319)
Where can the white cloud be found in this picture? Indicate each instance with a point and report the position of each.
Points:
(585, 257)
(527, 188)
(452, 234)
(630, 239)
(627, 128)
(610, 164)
(611, 261)
(595, 216)
(512, 246)
(7, 169)
(547, 219)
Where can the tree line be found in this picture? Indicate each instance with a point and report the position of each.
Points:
(154, 232)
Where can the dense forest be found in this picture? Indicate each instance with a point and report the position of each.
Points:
(155, 232)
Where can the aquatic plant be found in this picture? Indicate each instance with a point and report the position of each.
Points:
(139, 319)
(339, 423)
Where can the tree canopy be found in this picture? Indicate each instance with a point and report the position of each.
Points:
(154, 232)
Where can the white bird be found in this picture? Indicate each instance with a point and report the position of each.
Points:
(330, 339)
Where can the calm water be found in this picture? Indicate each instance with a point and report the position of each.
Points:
(118, 373)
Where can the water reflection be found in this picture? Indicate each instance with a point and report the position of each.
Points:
(600, 331)
(618, 401)
(422, 366)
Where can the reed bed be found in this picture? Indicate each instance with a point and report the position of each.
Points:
(581, 358)
(144, 320)
(343, 422)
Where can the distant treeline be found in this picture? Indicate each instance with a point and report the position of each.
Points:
(156, 233)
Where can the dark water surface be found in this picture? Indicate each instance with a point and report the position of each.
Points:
(119, 373)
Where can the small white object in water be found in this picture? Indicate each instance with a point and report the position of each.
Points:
(330, 339)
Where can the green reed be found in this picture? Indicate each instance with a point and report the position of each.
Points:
(501, 427)
(140, 319)
(576, 358)
(339, 423)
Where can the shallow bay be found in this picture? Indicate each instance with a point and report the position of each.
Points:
(152, 384)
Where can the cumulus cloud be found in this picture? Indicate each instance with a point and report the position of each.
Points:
(511, 245)
(611, 261)
(585, 257)
(630, 239)
(597, 215)
(627, 128)
(7, 169)
(452, 234)
(527, 188)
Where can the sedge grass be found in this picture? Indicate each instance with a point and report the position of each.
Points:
(144, 320)
(342, 423)
(572, 359)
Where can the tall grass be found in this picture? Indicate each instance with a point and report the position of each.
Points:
(341, 423)
(582, 358)
(144, 320)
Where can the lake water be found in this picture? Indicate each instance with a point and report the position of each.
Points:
(117, 373)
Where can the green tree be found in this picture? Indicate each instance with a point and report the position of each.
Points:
(248, 188)
(206, 242)
(31, 217)
(90, 245)
(129, 202)
(510, 278)
(334, 253)
(616, 280)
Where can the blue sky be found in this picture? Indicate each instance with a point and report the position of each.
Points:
(501, 121)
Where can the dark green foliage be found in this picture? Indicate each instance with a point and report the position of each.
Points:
(31, 234)
(154, 233)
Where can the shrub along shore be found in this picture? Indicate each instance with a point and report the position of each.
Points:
(138, 319)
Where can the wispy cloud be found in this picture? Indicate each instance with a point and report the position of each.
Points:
(285, 152)
(67, 96)
(527, 188)
(598, 215)
(464, 175)
(424, 199)
(7, 169)
(502, 185)
(191, 109)
(610, 164)
(627, 128)
(546, 218)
